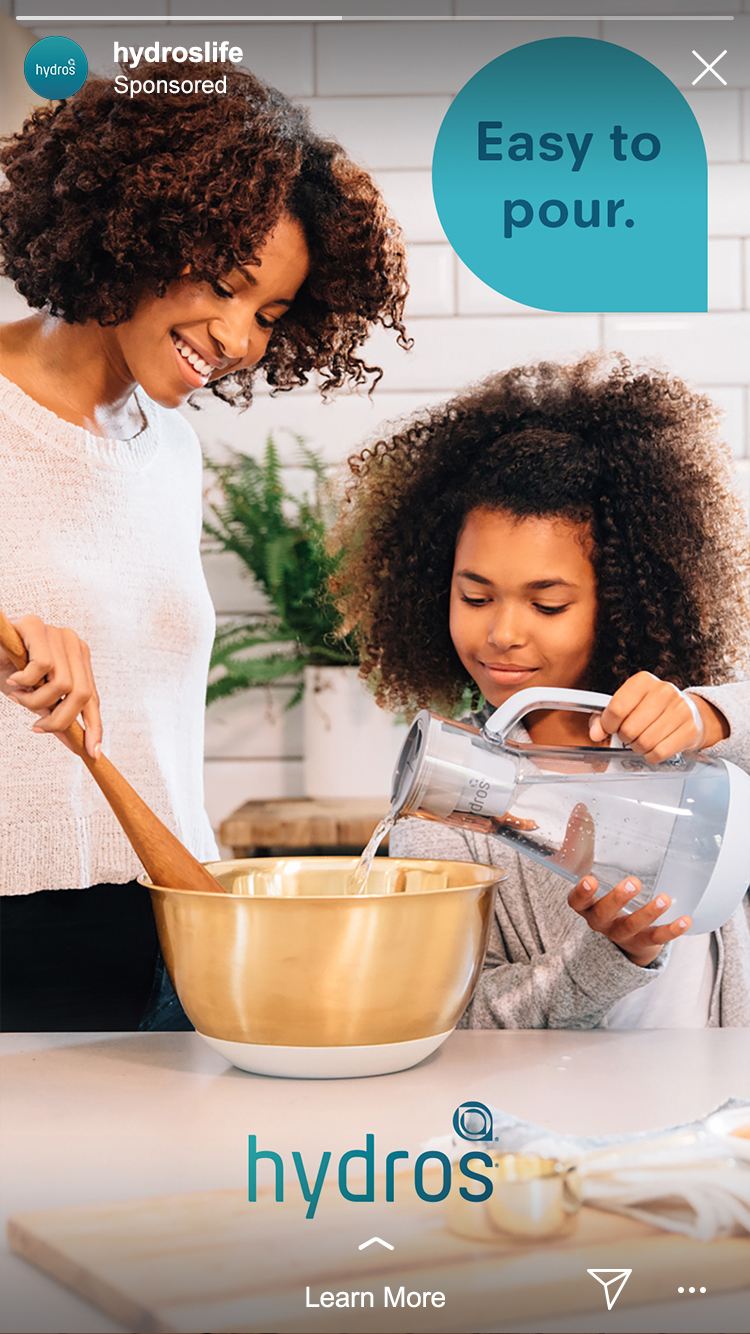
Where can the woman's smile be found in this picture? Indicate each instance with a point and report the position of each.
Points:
(195, 366)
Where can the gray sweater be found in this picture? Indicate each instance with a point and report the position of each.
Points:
(545, 968)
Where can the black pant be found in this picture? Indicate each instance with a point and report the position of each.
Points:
(78, 960)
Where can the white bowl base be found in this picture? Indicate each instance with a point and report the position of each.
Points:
(326, 1062)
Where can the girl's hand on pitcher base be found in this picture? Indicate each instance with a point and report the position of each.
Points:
(57, 682)
(634, 933)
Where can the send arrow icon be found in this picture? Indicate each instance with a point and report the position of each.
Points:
(612, 1280)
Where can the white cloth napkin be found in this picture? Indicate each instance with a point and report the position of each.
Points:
(705, 1202)
(678, 1178)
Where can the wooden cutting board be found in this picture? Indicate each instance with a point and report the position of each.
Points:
(211, 1261)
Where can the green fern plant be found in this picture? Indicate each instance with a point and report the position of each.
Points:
(281, 540)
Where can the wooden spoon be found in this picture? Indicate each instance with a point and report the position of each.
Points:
(166, 861)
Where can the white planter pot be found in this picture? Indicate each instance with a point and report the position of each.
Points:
(351, 746)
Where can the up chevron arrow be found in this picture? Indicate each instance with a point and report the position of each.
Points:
(380, 1242)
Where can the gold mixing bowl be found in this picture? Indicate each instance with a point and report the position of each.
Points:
(289, 957)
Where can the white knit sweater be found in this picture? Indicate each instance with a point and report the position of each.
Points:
(103, 536)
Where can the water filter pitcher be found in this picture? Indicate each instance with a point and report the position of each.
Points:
(681, 827)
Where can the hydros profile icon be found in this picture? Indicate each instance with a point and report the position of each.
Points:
(55, 67)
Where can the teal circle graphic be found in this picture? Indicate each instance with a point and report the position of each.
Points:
(570, 174)
(55, 67)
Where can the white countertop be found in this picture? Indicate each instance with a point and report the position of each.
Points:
(90, 1118)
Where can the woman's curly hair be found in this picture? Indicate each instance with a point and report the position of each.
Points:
(632, 453)
(110, 199)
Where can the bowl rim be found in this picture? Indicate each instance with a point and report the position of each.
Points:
(496, 875)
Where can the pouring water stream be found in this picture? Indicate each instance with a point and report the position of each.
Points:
(358, 882)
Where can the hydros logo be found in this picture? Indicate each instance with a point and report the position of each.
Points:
(55, 67)
(471, 1121)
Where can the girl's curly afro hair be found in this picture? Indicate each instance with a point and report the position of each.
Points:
(110, 199)
(633, 454)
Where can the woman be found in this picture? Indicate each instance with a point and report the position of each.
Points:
(168, 244)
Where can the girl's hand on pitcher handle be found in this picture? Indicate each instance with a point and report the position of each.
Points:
(57, 682)
(634, 933)
(657, 720)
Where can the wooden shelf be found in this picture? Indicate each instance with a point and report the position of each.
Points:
(302, 824)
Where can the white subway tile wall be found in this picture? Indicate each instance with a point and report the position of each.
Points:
(418, 58)
(382, 89)
(257, 722)
(729, 197)
(725, 273)
(712, 347)
(383, 133)
(408, 195)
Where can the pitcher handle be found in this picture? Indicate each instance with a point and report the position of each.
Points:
(504, 719)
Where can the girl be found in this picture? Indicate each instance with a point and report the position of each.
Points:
(576, 527)
(168, 244)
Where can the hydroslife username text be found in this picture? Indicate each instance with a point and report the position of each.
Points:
(156, 54)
